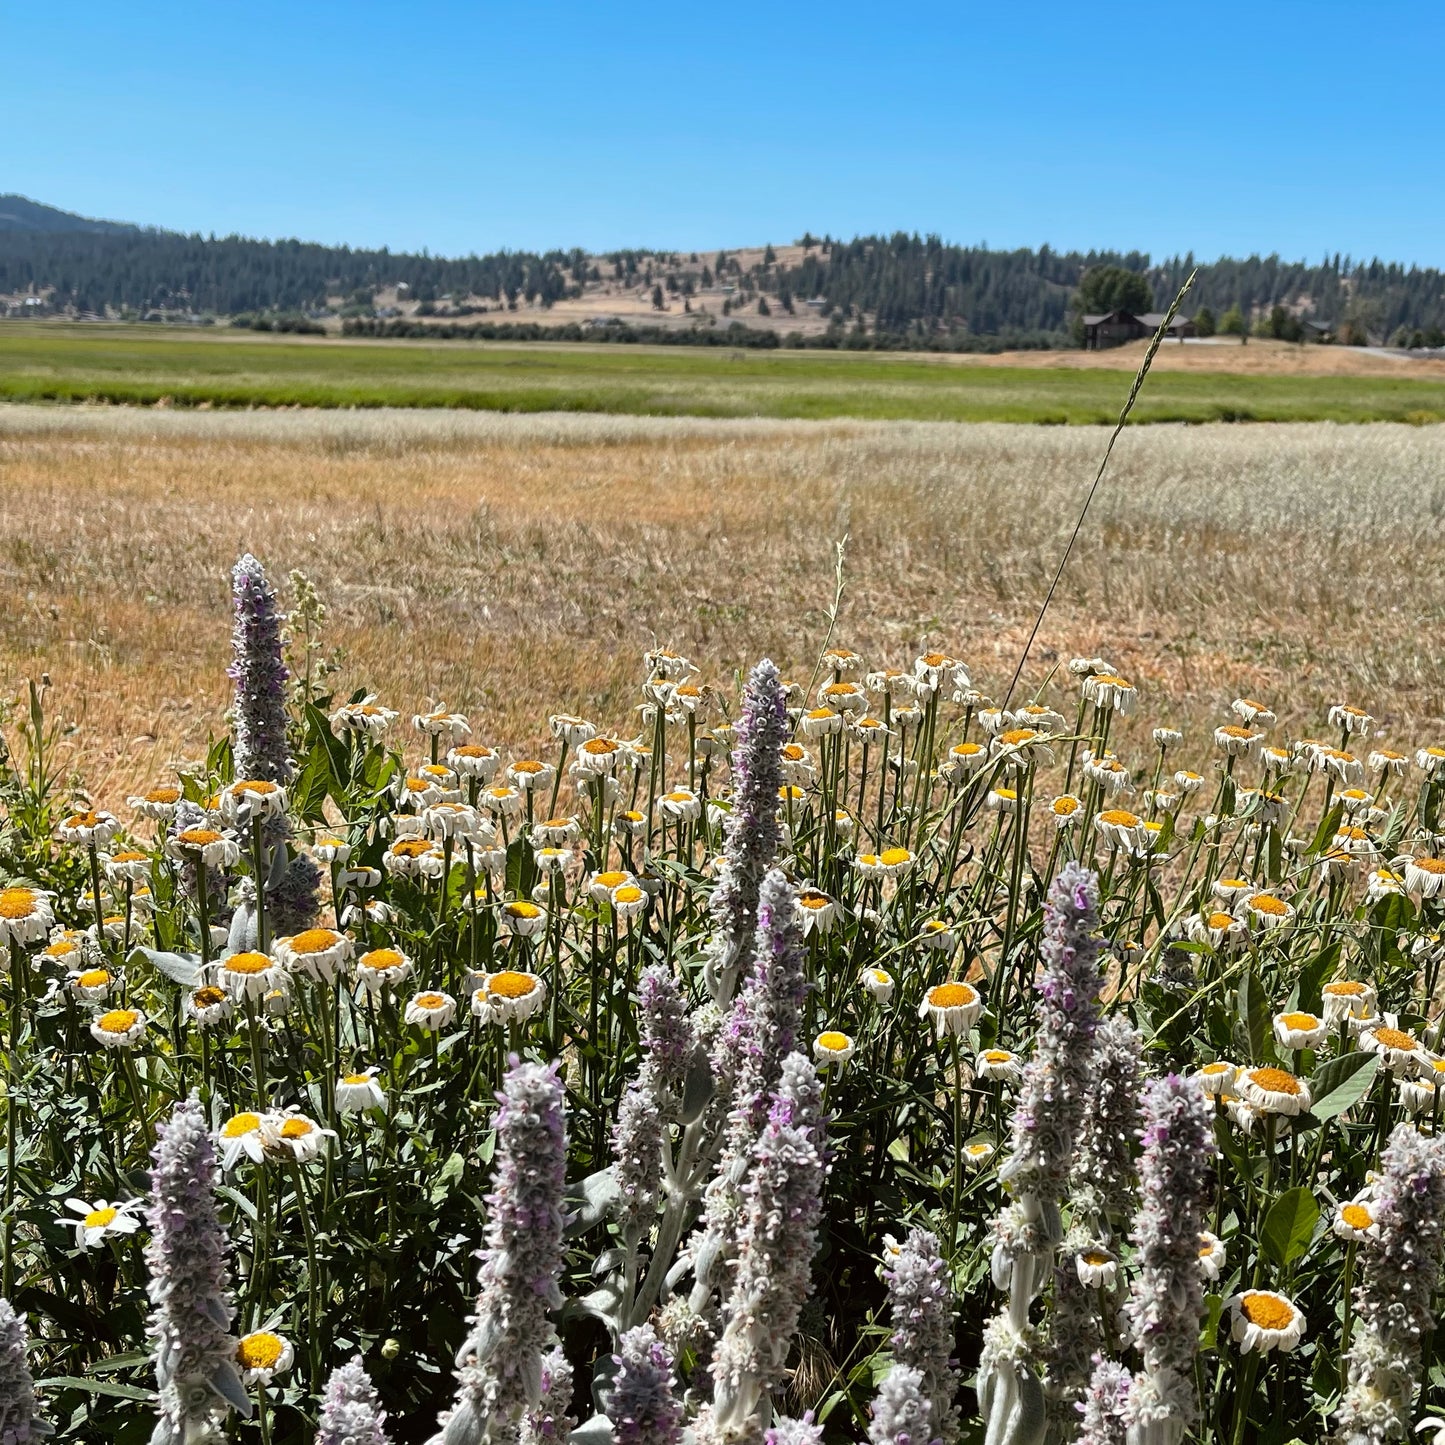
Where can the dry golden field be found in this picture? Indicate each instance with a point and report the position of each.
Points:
(513, 566)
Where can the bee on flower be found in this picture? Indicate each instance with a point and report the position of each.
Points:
(667, 664)
(95, 1223)
(208, 1005)
(1213, 1257)
(629, 824)
(936, 935)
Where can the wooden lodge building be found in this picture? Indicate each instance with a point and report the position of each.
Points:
(1114, 328)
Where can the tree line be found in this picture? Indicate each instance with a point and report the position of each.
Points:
(902, 289)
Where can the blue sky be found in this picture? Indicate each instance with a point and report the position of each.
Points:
(1221, 128)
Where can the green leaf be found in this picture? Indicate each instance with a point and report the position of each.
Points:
(94, 1387)
(1289, 1226)
(1339, 1083)
(1209, 1331)
(1253, 1022)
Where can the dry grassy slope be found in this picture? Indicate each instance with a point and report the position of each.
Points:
(515, 566)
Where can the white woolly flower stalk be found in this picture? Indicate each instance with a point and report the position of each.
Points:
(191, 1311)
(1105, 1407)
(499, 1366)
(777, 1238)
(552, 1420)
(787, 1431)
(921, 1308)
(902, 1411)
(351, 1412)
(1166, 1305)
(19, 1424)
(641, 1402)
(1045, 1126)
(1398, 1283)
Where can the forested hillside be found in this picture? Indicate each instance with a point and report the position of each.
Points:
(898, 289)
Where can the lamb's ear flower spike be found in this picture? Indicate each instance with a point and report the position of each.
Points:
(752, 833)
(641, 1401)
(259, 716)
(777, 1238)
(1105, 1407)
(922, 1309)
(499, 1366)
(19, 1422)
(1046, 1125)
(1399, 1278)
(351, 1412)
(191, 1311)
(902, 1410)
(1166, 1307)
(552, 1420)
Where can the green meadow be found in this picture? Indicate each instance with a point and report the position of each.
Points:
(222, 369)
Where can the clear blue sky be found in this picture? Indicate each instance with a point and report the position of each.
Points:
(1222, 127)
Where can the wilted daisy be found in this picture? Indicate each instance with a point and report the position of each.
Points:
(1216, 928)
(382, 968)
(1350, 719)
(1268, 910)
(92, 827)
(628, 901)
(530, 775)
(1415, 1096)
(208, 1005)
(816, 912)
(366, 717)
(1217, 1079)
(878, 983)
(1110, 774)
(261, 1356)
(680, 806)
(1430, 761)
(999, 1066)
(1119, 827)
(510, 996)
(412, 858)
(158, 804)
(1187, 781)
(1263, 1321)
(1383, 883)
(242, 1137)
(431, 1011)
(935, 934)
(1237, 742)
(1003, 800)
(89, 985)
(1299, 1030)
(523, 918)
(319, 953)
(474, 760)
(208, 846)
(356, 1093)
(95, 1223)
(127, 866)
(845, 697)
(1347, 999)
(1400, 1051)
(121, 1028)
(1250, 712)
(1109, 692)
(953, 1007)
(295, 1135)
(977, 1153)
(248, 974)
(832, 1049)
(962, 762)
(251, 800)
(820, 722)
(1346, 767)
(1212, 1255)
(1066, 810)
(1273, 1091)
(1097, 1268)
(25, 915)
(1425, 876)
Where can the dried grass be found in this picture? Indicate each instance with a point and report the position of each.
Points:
(517, 565)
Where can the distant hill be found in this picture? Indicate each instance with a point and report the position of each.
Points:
(20, 213)
(899, 290)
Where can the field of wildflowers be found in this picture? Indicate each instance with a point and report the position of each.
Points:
(849, 1056)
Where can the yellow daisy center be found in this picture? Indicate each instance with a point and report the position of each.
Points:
(118, 1020)
(1357, 1216)
(996, 1056)
(1119, 818)
(240, 1125)
(164, 795)
(892, 857)
(1221, 920)
(512, 984)
(99, 1218)
(255, 786)
(314, 940)
(522, 909)
(833, 1042)
(1396, 1039)
(1274, 1081)
(951, 995)
(1299, 1021)
(248, 963)
(17, 902)
(260, 1351)
(1096, 1257)
(1431, 865)
(1349, 988)
(425, 1000)
(1268, 903)
(207, 997)
(411, 848)
(93, 978)
(200, 837)
(628, 893)
(382, 959)
(297, 1128)
(1268, 1311)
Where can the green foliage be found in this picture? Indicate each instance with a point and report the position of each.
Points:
(1112, 288)
(1204, 321)
(1232, 322)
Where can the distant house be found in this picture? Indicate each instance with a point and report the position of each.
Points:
(1321, 331)
(1114, 328)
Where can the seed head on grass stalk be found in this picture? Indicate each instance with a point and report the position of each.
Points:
(196, 1377)
(1395, 1295)
(499, 1366)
